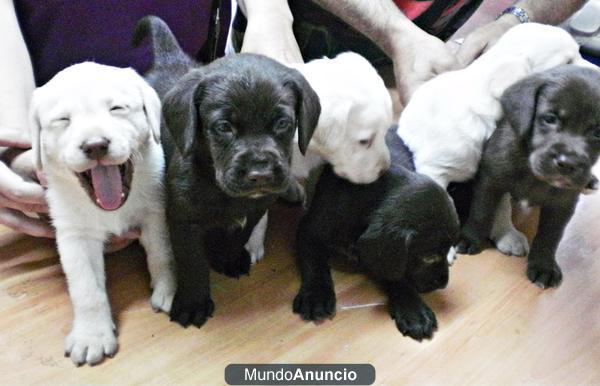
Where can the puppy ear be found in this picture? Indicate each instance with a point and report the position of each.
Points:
(519, 102)
(152, 108)
(35, 132)
(308, 108)
(180, 111)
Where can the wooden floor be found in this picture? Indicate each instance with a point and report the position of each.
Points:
(495, 328)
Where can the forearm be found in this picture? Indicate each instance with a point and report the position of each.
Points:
(16, 76)
(258, 9)
(550, 11)
(379, 20)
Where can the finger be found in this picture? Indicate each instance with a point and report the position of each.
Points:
(22, 206)
(11, 137)
(24, 224)
(15, 188)
(470, 50)
(24, 165)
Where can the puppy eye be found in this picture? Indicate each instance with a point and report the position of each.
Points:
(550, 119)
(223, 127)
(432, 259)
(366, 142)
(117, 108)
(62, 121)
(282, 125)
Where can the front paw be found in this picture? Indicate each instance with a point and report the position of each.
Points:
(234, 267)
(416, 321)
(544, 274)
(189, 309)
(315, 303)
(470, 242)
(295, 195)
(512, 243)
(91, 344)
(162, 296)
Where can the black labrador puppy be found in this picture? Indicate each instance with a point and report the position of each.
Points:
(229, 136)
(542, 152)
(400, 228)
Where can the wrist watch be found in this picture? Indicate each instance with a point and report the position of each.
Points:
(519, 13)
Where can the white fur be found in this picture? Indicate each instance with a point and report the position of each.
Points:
(84, 93)
(355, 106)
(449, 118)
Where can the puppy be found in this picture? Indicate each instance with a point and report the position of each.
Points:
(356, 111)
(400, 228)
(449, 118)
(542, 152)
(95, 133)
(231, 126)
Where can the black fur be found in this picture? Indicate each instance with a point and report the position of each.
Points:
(229, 129)
(400, 228)
(542, 151)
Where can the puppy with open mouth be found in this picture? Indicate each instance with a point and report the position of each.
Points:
(96, 135)
(229, 130)
(542, 152)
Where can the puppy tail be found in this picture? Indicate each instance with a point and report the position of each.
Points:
(166, 49)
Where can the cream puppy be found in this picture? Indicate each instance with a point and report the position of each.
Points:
(356, 111)
(95, 134)
(449, 118)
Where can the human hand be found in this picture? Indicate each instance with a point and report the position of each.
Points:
(418, 57)
(269, 31)
(18, 195)
(483, 38)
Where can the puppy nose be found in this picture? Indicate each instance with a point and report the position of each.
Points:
(567, 164)
(95, 148)
(260, 177)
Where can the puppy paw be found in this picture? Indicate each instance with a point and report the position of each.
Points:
(416, 321)
(188, 309)
(512, 243)
(470, 243)
(234, 267)
(315, 303)
(295, 195)
(452, 256)
(162, 296)
(256, 253)
(91, 344)
(544, 274)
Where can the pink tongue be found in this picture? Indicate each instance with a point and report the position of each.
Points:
(108, 186)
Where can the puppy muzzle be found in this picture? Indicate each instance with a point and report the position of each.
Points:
(255, 174)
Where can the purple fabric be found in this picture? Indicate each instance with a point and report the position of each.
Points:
(59, 33)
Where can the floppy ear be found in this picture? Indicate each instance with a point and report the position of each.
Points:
(519, 102)
(152, 107)
(180, 111)
(383, 251)
(35, 132)
(308, 108)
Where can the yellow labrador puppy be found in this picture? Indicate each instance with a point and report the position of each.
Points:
(95, 134)
(356, 112)
(449, 118)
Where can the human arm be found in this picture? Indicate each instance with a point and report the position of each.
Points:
(269, 30)
(545, 12)
(417, 56)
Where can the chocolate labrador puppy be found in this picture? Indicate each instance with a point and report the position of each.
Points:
(230, 129)
(542, 152)
(400, 228)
